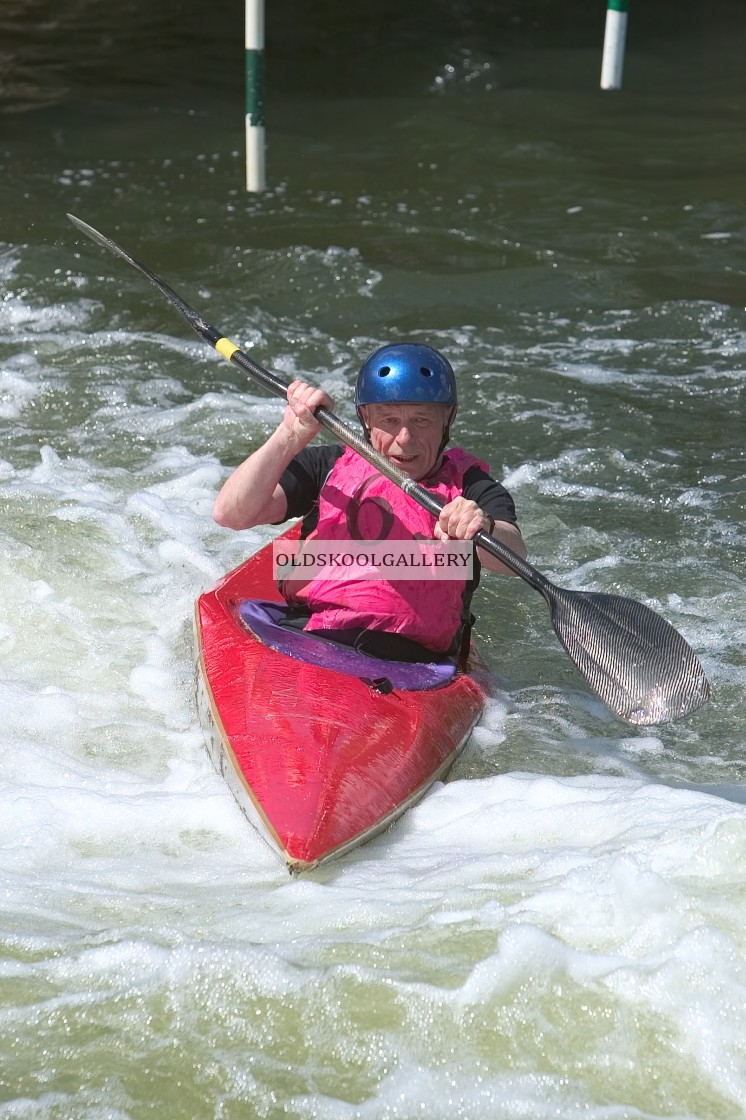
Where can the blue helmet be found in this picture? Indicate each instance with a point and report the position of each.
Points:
(406, 373)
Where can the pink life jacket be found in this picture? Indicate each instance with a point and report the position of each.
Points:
(358, 503)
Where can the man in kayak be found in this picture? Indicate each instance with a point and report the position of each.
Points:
(406, 400)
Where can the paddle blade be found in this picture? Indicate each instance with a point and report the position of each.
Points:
(636, 662)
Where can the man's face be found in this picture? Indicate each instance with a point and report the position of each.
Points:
(408, 434)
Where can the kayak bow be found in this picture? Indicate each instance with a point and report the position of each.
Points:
(319, 758)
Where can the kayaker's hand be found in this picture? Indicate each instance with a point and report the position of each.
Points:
(461, 520)
(299, 417)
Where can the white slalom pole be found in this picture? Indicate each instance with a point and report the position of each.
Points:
(615, 35)
(255, 164)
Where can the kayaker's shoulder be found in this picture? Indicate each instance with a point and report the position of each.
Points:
(313, 464)
(305, 475)
(319, 456)
(490, 495)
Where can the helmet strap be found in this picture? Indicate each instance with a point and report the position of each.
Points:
(366, 429)
(447, 431)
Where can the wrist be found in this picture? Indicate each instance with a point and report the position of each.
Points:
(291, 440)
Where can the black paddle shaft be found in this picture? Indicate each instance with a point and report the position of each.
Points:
(634, 660)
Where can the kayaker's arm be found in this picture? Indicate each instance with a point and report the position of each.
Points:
(252, 494)
(462, 519)
(506, 533)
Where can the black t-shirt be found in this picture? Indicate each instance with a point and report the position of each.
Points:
(309, 470)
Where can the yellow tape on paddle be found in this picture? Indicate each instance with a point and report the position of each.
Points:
(225, 347)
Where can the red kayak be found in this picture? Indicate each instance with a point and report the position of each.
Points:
(322, 746)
